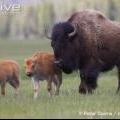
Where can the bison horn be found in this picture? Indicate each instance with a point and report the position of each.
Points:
(58, 61)
(46, 32)
(72, 33)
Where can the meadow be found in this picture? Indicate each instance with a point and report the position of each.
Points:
(104, 103)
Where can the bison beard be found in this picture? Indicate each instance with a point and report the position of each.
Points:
(88, 42)
(67, 66)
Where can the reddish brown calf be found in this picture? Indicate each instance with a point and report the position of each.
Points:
(41, 67)
(9, 72)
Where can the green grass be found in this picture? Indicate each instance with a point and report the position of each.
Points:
(69, 104)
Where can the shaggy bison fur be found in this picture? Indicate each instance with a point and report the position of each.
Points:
(89, 42)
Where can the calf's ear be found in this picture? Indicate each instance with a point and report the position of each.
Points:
(25, 60)
(34, 61)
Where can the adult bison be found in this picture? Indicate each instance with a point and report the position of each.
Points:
(89, 42)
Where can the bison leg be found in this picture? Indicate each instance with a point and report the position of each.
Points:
(88, 80)
(36, 88)
(57, 81)
(83, 86)
(3, 88)
(118, 80)
(87, 85)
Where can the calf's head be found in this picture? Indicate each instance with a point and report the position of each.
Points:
(30, 66)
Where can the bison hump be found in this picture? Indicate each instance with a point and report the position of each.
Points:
(87, 15)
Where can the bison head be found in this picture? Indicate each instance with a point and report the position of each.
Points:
(30, 66)
(62, 42)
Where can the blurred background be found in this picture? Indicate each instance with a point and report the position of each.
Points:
(30, 21)
(22, 34)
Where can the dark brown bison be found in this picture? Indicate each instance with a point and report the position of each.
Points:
(89, 42)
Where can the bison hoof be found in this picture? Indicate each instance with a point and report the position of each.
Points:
(82, 91)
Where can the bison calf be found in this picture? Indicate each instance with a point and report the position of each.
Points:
(9, 72)
(41, 67)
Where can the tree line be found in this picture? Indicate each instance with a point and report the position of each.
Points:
(32, 20)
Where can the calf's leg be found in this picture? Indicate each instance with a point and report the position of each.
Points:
(36, 86)
(49, 86)
(3, 84)
(57, 81)
(15, 84)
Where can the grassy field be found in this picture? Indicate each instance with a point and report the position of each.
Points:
(104, 103)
